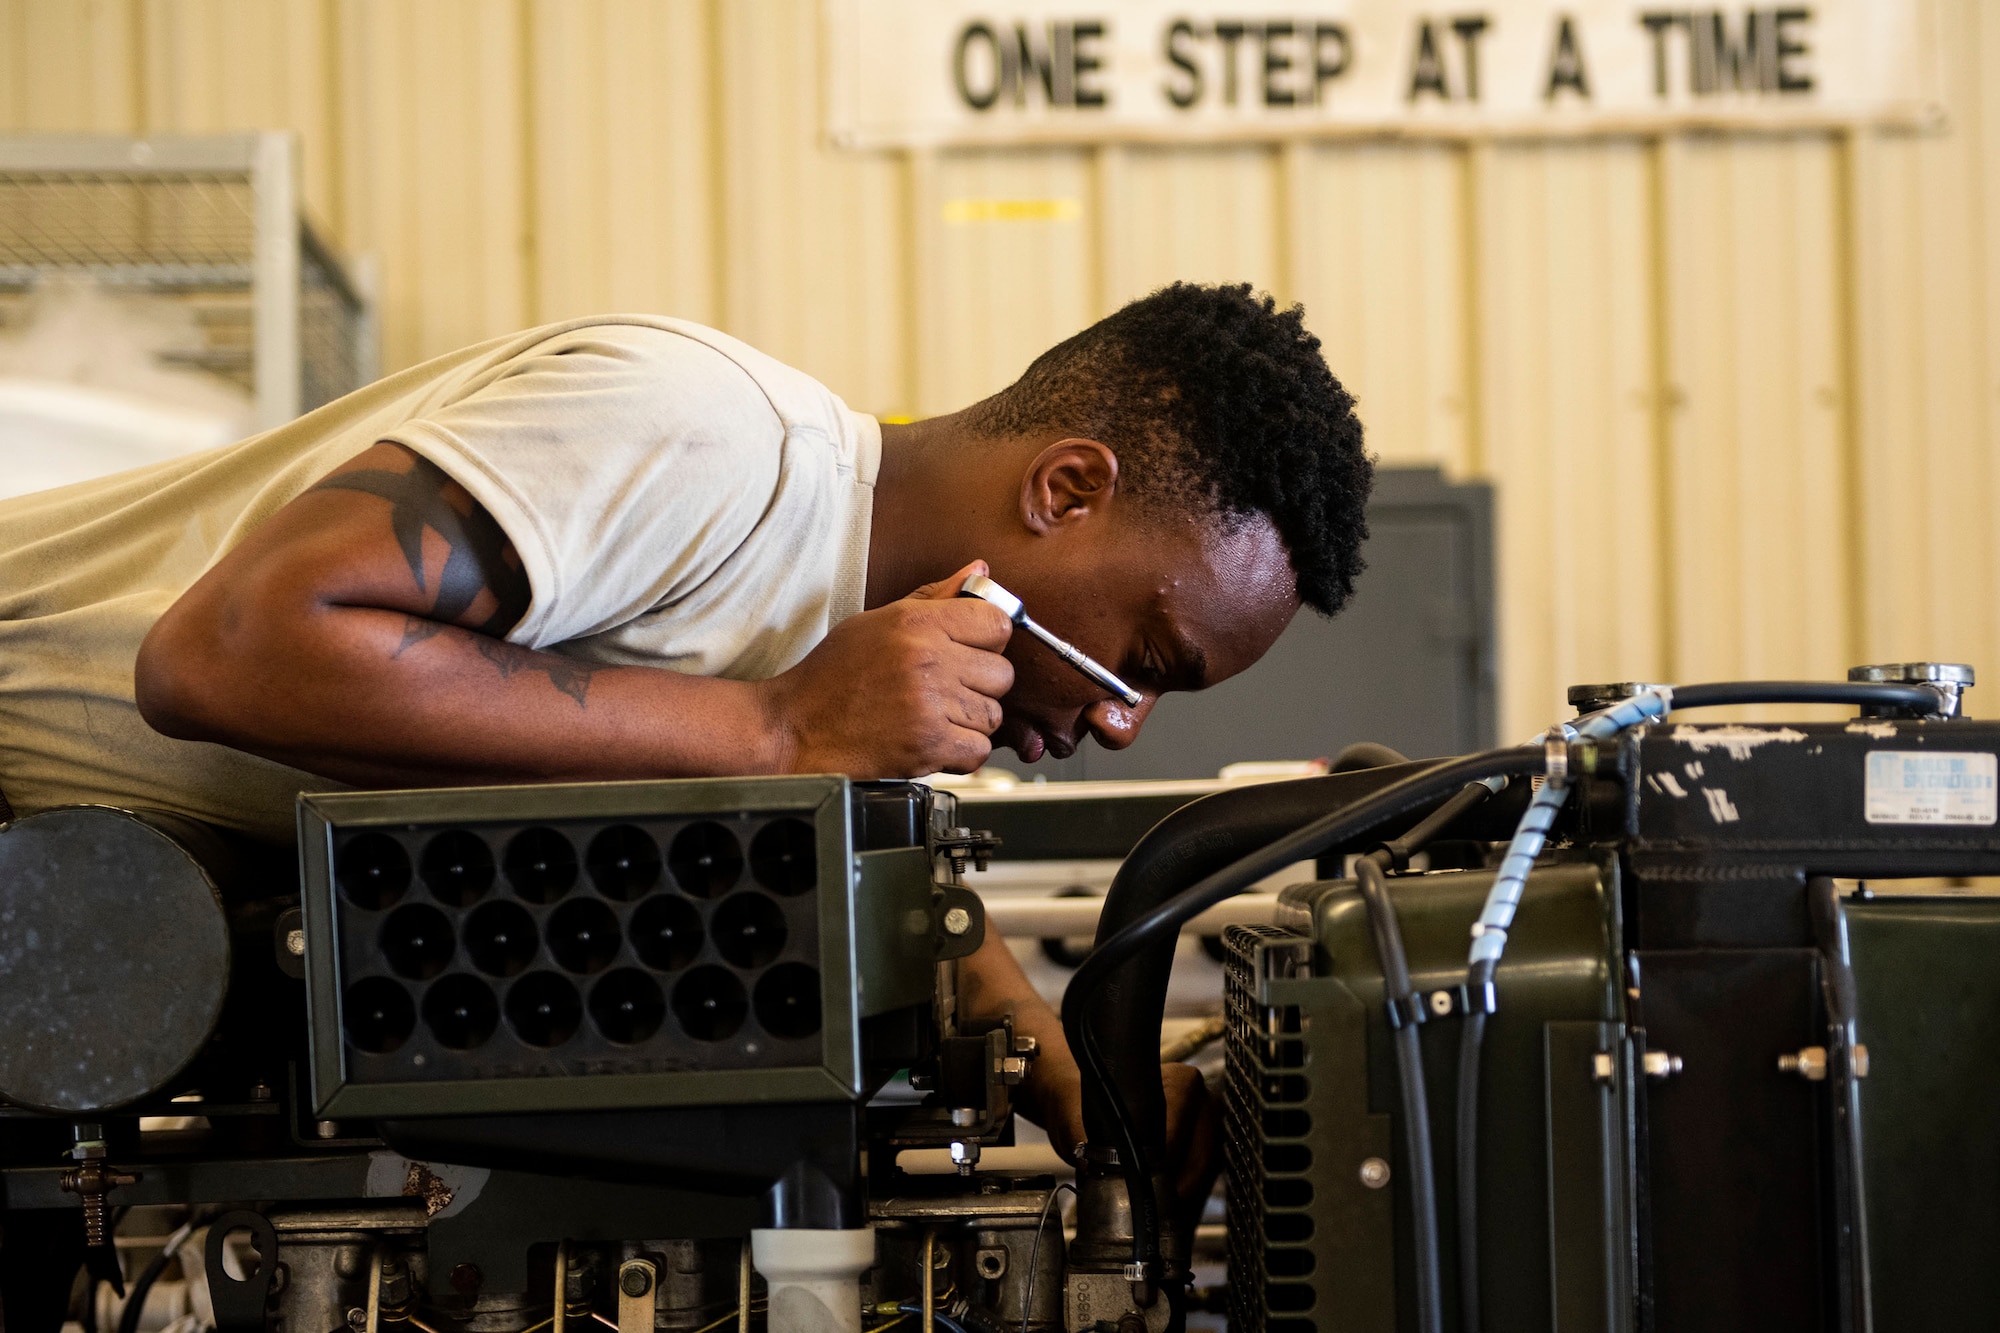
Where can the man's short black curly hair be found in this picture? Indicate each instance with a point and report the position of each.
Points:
(1213, 396)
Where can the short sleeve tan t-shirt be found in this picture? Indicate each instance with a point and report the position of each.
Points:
(678, 500)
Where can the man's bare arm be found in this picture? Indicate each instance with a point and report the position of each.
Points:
(356, 634)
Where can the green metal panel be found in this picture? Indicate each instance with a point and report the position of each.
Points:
(1555, 1144)
(896, 943)
(1928, 1005)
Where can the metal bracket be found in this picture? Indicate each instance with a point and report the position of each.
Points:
(240, 1305)
(636, 1301)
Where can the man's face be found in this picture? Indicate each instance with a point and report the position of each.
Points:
(1167, 604)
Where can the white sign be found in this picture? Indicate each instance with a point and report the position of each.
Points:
(917, 72)
(1931, 787)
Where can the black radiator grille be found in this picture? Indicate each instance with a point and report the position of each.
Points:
(1266, 1126)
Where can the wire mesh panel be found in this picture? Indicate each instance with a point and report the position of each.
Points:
(209, 222)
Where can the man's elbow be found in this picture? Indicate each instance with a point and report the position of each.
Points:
(181, 679)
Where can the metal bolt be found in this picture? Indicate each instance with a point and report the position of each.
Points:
(1658, 1064)
(963, 1116)
(1374, 1173)
(1603, 1068)
(357, 1318)
(1857, 1060)
(966, 1155)
(1440, 1002)
(957, 921)
(295, 943)
(635, 1277)
(261, 1092)
(1809, 1063)
(467, 1279)
(327, 1129)
(89, 1141)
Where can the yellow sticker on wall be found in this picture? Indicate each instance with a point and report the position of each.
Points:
(1012, 210)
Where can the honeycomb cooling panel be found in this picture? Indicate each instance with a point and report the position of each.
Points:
(655, 945)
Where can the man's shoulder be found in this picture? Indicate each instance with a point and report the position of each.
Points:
(678, 347)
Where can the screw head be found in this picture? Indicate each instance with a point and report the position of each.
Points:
(636, 1278)
(1374, 1173)
(1441, 1002)
(466, 1279)
(957, 921)
(295, 943)
(357, 1317)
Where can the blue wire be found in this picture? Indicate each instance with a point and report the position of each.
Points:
(1489, 933)
(943, 1320)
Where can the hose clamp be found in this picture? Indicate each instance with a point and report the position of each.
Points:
(1555, 757)
(1404, 1010)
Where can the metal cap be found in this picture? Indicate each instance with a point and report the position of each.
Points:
(1948, 680)
(1912, 673)
(1590, 698)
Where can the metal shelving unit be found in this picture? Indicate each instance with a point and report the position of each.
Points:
(212, 220)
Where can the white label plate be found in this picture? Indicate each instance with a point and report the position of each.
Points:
(1932, 787)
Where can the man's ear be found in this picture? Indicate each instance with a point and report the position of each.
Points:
(1067, 482)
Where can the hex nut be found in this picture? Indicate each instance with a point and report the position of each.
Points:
(1808, 1063)
(636, 1278)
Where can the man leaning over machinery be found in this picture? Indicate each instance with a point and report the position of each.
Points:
(632, 547)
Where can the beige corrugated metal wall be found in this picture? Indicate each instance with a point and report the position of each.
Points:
(1741, 394)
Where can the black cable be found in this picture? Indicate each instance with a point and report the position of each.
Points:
(1406, 1015)
(1472, 1034)
(135, 1304)
(1337, 828)
(1858, 693)
(1471, 1038)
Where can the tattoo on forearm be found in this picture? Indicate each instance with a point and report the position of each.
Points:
(415, 630)
(479, 558)
(571, 677)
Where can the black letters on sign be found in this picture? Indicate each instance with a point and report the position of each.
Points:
(1325, 70)
(1566, 63)
(1063, 63)
(1229, 34)
(1085, 62)
(1791, 79)
(1180, 40)
(1761, 54)
(1276, 41)
(983, 99)
(1426, 69)
(1469, 29)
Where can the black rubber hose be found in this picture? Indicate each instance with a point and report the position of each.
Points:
(135, 1304)
(1471, 1040)
(1107, 999)
(1418, 1163)
(1857, 693)
(1197, 840)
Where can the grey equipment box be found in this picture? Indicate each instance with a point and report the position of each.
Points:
(602, 945)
